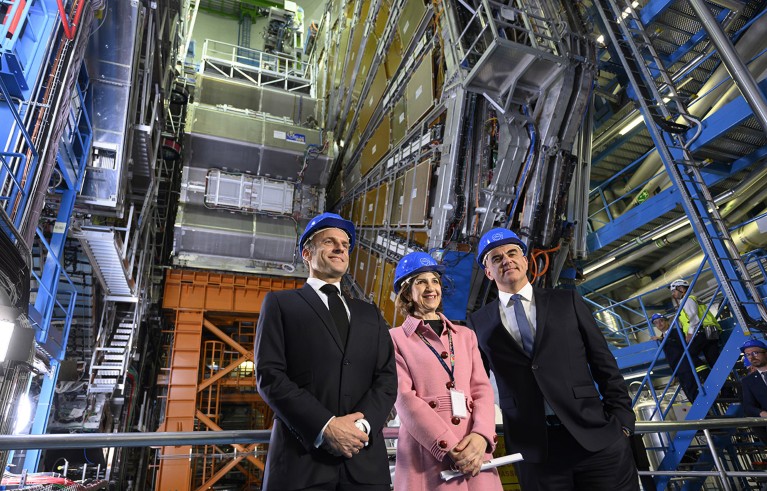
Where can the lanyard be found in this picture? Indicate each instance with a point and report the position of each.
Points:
(450, 370)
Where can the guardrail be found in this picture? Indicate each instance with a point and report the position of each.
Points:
(155, 439)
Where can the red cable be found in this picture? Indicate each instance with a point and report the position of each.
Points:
(69, 31)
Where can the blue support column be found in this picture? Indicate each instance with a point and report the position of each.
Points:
(74, 156)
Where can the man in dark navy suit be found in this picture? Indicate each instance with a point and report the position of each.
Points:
(565, 405)
(755, 384)
(325, 365)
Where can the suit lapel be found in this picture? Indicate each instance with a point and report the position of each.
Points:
(314, 300)
(499, 330)
(541, 313)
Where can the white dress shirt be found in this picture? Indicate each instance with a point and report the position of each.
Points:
(316, 284)
(509, 320)
(507, 311)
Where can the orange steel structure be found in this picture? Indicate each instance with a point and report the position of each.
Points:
(209, 374)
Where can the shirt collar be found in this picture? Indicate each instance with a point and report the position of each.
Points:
(526, 293)
(317, 283)
(411, 324)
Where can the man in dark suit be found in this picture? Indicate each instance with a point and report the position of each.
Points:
(325, 365)
(565, 404)
(755, 384)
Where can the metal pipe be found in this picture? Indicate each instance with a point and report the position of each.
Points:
(717, 462)
(70, 31)
(637, 247)
(735, 66)
(183, 438)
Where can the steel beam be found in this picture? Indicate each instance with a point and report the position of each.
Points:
(737, 69)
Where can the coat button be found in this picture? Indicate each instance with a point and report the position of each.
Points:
(456, 420)
(443, 354)
(442, 444)
(495, 438)
(347, 363)
(534, 367)
(432, 404)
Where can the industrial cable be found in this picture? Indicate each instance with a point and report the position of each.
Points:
(528, 164)
(533, 263)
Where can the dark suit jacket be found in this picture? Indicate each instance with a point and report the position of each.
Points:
(570, 356)
(754, 394)
(306, 376)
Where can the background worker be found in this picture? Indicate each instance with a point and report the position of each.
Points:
(755, 384)
(674, 351)
(565, 404)
(445, 401)
(702, 336)
(325, 365)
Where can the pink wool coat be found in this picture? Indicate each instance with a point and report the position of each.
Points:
(427, 429)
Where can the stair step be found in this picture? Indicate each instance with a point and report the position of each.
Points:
(111, 349)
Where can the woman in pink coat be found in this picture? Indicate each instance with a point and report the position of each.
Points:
(444, 400)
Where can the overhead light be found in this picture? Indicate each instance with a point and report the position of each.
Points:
(681, 223)
(635, 4)
(601, 39)
(23, 414)
(634, 122)
(631, 125)
(600, 264)
(6, 331)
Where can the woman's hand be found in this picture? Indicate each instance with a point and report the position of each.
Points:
(467, 455)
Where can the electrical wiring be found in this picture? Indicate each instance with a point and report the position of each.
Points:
(533, 263)
(10, 479)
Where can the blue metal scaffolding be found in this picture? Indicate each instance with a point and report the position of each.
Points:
(28, 41)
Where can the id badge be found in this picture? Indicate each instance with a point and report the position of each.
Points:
(458, 403)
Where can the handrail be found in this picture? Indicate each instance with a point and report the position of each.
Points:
(182, 438)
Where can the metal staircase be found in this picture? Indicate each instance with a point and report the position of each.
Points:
(660, 105)
(111, 358)
(673, 130)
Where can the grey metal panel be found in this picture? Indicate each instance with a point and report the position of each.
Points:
(506, 65)
(199, 230)
(218, 91)
(110, 59)
(210, 151)
(255, 144)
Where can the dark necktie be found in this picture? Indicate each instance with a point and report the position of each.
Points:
(764, 376)
(525, 331)
(337, 311)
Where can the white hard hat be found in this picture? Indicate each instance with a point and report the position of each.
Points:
(677, 283)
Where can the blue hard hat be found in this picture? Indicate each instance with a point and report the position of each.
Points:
(413, 264)
(497, 237)
(656, 316)
(753, 343)
(327, 220)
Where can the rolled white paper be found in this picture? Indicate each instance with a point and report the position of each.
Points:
(491, 464)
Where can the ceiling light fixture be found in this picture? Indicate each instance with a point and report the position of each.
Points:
(596, 266)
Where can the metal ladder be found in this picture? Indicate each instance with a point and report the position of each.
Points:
(660, 105)
(632, 44)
